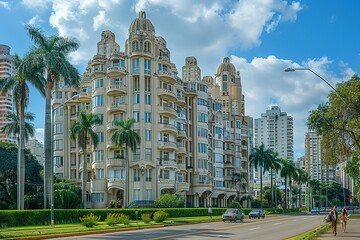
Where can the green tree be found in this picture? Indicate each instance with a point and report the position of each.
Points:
(8, 181)
(275, 166)
(67, 194)
(262, 158)
(51, 54)
(287, 172)
(25, 72)
(82, 131)
(169, 200)
(315, 187)
(352, 169)
(337, 121)
(125, 135)
(13, 126)
(302, 177)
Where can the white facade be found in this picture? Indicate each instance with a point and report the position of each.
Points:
(6, 100)
(37, 149)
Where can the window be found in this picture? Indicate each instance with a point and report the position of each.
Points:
(148, 194)
(164, 174)
(147, 66)
(58, 144)
(137, 116)
(136, 194)
(59, 112)
(100, 116)
(58, 95)
(202, 132)
(202, 179)
(135, 46)
(99, 173)
(148, 174)
(202, 148)
(180, 177)
(116, 173)
(202, 117)
(101, 137)
(97, 197)
(148, 117)
(136, 81)
(136, 175)
(147, 84)
(219, 172)
(59, 128)
(98, 101)
(59, 161)
(148, 154)
(147, 135)
(136, 97)
(147, 47)
(136, 66)
(98, 83)
(147, 99)
(203, 163)
(98, 155)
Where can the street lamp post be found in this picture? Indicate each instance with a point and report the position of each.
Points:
(52, 222)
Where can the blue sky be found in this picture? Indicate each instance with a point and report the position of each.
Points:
(262, 37)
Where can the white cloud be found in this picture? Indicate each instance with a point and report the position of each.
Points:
(34, 20)
(36, 4)
(100, 20)
(5, 5)
(39, 134)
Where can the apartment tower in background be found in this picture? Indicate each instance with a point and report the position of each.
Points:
(6, 100)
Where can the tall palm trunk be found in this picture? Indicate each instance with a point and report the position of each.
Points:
(127, 179)
(285, 193)
(47, 145)
(21, 155)
(272, 188)
(300, 195)
(261, 193)
(84, 177)
(275, 190)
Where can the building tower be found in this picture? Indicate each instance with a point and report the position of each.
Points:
(6, 100)
(315, 166)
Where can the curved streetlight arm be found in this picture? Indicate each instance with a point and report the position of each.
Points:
(308, 69)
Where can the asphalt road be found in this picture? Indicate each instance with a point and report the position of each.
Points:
(278, 227)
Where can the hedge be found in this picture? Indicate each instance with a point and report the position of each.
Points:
(11, 218)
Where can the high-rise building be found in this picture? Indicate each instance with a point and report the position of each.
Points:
(275, 130)
(37, 149)
(6, 100)
(314, 162)
(194, 134)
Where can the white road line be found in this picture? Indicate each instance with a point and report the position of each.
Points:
(294, 220)
(253, 228)
(277, 223)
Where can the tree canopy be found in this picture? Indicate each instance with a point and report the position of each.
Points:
(338, 122)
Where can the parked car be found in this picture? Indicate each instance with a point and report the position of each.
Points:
(315, 210)
(257, 213)
(233, 215)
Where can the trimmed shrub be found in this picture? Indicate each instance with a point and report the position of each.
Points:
(124, 219)
(160, 216)
(112, 219)
(90, 220)
(169, 201)
(146, 217)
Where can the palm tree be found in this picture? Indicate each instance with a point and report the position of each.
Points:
(261, 157)
(302, 177)
(13, 127)
(25, 72)
(287, 172)
(124, 134)
(82, 131)
(51, 53)
(275, 166)
(314, 185)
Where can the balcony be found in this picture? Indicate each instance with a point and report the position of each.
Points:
(167, 162)
(167, 145)
(181, 150)
(115, 162)
(180, 100)
(117, 107)
(181, 134)
(167, 94)
(229, 152)
(97, 72)
(116, 183)
(228, 164)
(111, 126)
(168, 111)
(84, 96)
(115, 89)
(167, 76)
(182, 186)
(190, 91)
(181, 166)
(116, 71)
(167, 127)
(97, 184)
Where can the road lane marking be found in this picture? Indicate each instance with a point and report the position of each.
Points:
(253, 228)
(277, 223)
(219, 229)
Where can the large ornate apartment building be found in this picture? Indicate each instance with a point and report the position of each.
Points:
(194, 132)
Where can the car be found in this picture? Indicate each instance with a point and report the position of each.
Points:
(233, 215)
(315, 210)
(257, 213)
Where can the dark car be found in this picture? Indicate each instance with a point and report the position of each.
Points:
(315, 210)
(257, 213)
(233, 215)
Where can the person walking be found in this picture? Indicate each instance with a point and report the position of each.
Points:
(334, 217)
(343, 219)
(210, 212)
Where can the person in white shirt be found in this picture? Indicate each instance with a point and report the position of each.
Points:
(210, 212)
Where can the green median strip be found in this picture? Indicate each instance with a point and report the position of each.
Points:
(312, 234)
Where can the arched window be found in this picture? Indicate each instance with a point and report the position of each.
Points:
(135, 46)
(147, 47)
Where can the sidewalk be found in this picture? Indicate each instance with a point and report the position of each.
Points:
(352, 231)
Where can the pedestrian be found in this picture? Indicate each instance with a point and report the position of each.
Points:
(334, 217)
(210, 212)
(343, 219)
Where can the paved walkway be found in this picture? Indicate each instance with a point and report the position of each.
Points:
(352, 231)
